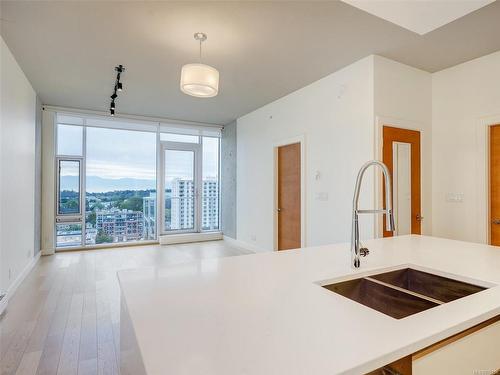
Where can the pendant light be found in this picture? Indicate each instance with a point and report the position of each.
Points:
(197, 79)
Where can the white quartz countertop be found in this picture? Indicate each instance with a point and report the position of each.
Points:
(267, 314)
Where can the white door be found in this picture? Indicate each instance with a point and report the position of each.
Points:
(180, 187)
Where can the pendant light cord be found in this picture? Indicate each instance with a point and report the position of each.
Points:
(200, 50)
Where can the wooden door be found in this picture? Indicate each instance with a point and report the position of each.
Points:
(392, 138)
(495, 185)
(289, 220)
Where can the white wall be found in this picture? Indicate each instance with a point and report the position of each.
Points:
(403, 98)
(465, 98)
(17, 165)
(335, 114)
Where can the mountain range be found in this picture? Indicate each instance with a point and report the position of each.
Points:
(97, 184)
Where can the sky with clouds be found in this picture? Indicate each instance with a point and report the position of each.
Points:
(117, 154)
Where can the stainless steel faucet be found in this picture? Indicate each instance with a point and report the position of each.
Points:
(356, 250)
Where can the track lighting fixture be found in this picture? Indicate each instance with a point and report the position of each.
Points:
(118, 87)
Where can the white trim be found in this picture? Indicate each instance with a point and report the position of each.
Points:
(3, 303)
(110, 245)
(301, 138)
(483, 176)
(19, 279)
(380, 121)
(244, 245)
(73, 111)
(170, 239)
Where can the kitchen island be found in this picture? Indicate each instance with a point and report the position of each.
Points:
(268, 313)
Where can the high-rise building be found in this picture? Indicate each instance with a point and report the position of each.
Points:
(210, 208)
(149, 211)
(180, 207)
(183, 205)
(121, 225)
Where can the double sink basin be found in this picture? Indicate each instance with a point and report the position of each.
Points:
(403, 292)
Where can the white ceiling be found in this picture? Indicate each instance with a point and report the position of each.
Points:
(263, 50)
(419, 16)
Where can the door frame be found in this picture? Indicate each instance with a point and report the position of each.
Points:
(483, 212)
(380, 122)
(301, 139)
(197, 171)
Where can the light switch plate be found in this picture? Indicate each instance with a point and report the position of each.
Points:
(322, 196)
(455, 197)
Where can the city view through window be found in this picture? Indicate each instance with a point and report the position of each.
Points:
(119, 179)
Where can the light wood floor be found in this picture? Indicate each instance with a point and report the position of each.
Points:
(65, 317)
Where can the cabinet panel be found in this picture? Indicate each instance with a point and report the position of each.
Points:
(476, 353)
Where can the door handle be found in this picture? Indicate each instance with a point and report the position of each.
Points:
(419, 218)
(278, 210)
(495, 221)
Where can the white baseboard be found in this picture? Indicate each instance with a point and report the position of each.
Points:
(3, 303)
(48, 251)
(244, 245)
(189, 237)
(19, 279)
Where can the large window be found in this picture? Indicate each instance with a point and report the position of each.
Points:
(120, 182)
(107, 181)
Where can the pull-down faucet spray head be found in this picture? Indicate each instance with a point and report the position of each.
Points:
(356, 252)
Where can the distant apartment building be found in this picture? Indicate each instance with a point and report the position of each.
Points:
(181, 207)
(121, 225)
(210, 205)
(149, 211)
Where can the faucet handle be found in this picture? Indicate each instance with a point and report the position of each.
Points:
(364, 251)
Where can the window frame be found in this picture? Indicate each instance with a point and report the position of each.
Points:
(69, 217)
(142, 124)
(219, 187)
(196, 148)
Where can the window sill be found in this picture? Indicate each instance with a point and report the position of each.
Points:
(170, 239)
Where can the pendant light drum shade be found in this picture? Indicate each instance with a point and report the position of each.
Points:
(199, 80)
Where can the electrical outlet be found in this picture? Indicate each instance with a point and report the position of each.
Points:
(253, 237)
(10, 273)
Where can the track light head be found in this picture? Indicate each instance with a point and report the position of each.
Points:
(118, 87)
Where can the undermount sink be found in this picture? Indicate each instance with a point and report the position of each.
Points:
(403, 292)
